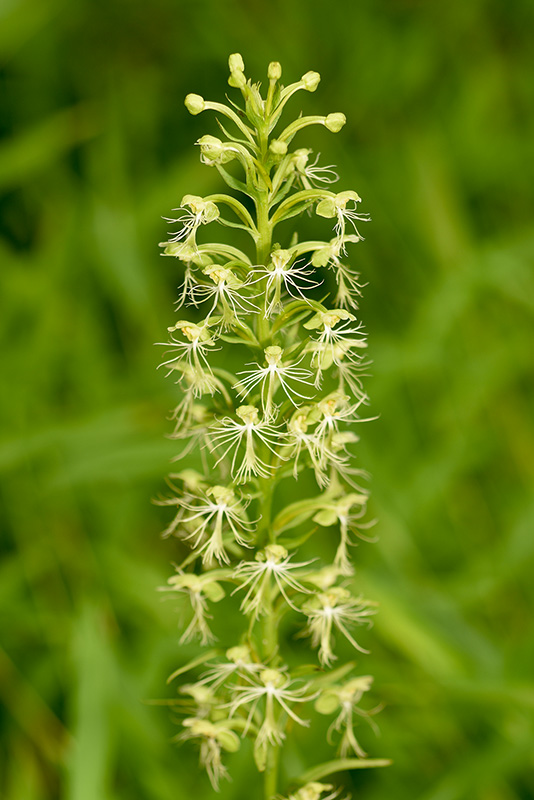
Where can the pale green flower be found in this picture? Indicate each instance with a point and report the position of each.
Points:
(196, 212)
(315, 791)
(275, 689)
(199, 589)
(271, 563)
(345, 700)
(274, 375)
(335, 609)
(214, 737)
(250, 431)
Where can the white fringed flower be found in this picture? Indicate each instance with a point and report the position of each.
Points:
(315, 791)
(274, 374)
(210, 516)
(304, 438)
(335, 408)
(339, 206)
(193, 352)
(199, 589)
(238, 664)
(196, 212)
(214, 737)
(331, 336)
(282, 274)
(345, 699)
(340, 511)
(309, 174)
(331, 610)
(273, 562)
(273, 686)
(225, 290)
(251, 431)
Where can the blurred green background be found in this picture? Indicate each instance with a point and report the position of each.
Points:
(97, 147)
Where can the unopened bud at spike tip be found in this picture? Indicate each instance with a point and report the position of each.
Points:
(310, 81)
(195, 104)
(236, 63)
(334, 122)
(274, 71)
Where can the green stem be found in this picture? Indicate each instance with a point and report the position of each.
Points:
(263, 252)
(270, 650)
(265, 531)
(271, 772)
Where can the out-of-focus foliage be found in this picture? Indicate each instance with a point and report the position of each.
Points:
(97, 146)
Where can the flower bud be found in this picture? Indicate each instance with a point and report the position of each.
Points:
(334, 122)
(194, 104)
(237, 71)
(214, 151)
(278, 148)
(236, 63)
(237, 79)
(274, 71)
(310, 81)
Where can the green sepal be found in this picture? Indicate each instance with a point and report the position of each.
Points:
(214, 591)
(302, 200)
(298, 317)
(228, 740)
(342, 765)
(327, 703)
(326, 517)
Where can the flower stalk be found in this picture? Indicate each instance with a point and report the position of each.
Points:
(269, 369)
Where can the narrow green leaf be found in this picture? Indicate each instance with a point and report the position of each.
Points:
(341, 765)
(194, 663)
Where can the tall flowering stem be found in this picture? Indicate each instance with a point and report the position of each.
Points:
(269, 366)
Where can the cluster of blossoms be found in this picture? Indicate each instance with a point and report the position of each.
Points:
(253, 431)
